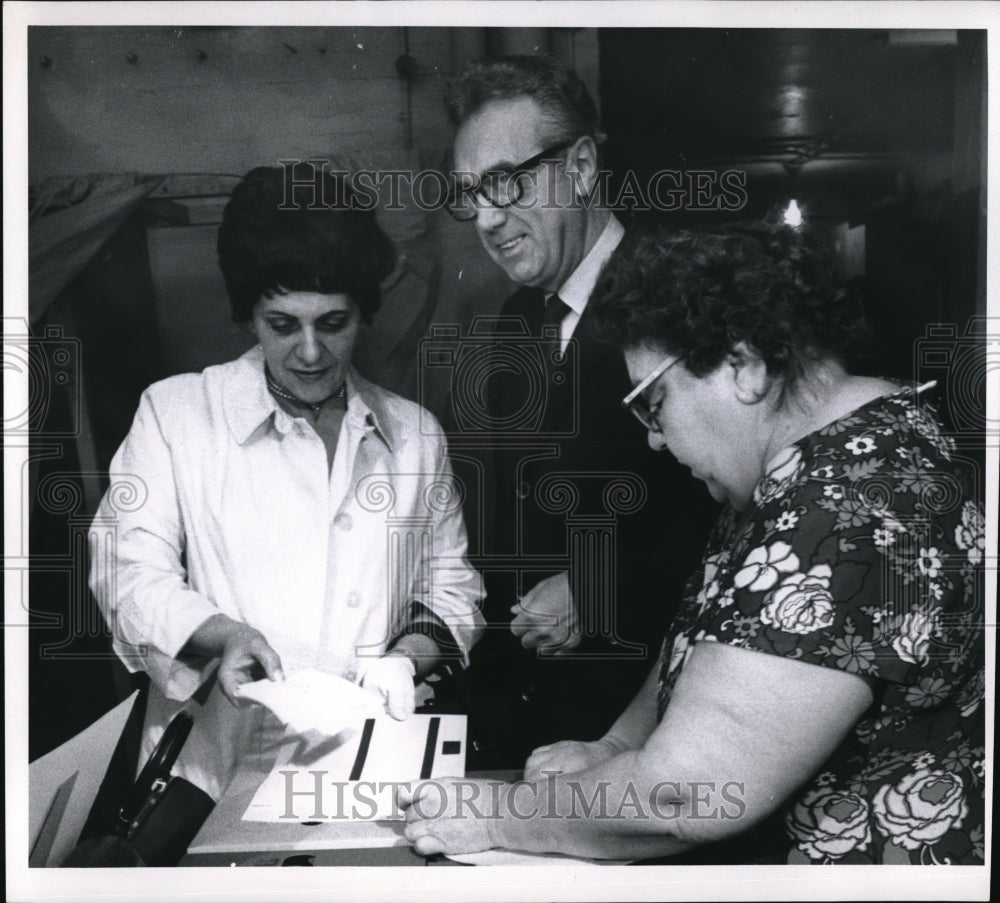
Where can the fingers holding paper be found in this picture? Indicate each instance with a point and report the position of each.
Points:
(243, 652)
(246, 655)
(391, 678)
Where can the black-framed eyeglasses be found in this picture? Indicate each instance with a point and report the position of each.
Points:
(495, 188)
(636, 400)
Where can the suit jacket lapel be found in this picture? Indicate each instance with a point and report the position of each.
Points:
(508, 388)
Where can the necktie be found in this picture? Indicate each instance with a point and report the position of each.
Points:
(555, 311)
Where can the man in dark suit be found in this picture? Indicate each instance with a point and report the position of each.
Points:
(588, 535)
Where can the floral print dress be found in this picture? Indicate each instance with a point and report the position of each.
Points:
(863, 551)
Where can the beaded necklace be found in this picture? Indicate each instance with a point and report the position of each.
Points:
(275, 389)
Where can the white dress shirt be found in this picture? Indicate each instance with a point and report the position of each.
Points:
(576, 290)
(220, 501)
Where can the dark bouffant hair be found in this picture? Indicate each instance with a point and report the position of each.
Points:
(698, 293)
(556, 88)
(300, 230)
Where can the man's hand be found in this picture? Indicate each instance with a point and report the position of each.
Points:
(546, 617)
(568, 756)
(391, 678)
(451, 815)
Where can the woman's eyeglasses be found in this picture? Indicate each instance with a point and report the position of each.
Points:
(638, 404)
(497, 188)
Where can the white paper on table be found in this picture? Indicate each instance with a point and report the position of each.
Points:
(308, 699)
(352, 781)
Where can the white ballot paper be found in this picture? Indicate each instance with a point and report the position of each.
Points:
(353, 776)
(311, 700)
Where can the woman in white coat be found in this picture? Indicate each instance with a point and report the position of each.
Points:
(284, 512)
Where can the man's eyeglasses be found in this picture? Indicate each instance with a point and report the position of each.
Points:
(497, 188)
(636, 400)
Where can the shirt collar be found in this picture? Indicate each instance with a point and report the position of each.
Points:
(576, 290)
(366, 406)
(251, 408)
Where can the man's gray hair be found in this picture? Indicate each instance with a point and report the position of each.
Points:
(557, 89)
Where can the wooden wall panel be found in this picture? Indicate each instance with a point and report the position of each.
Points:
(211, 99)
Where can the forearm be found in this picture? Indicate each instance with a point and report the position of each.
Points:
(713, 767)
(742, 733)
(616, 810)
(638, 721)
(421, 649)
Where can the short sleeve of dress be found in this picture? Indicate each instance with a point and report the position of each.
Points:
(859, 552)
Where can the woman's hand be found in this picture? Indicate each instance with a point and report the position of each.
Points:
(568, 756)
(451, 815)
(391, 677)
(243, 652)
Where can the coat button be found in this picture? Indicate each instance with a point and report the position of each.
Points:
(353, 600)
(343, 521)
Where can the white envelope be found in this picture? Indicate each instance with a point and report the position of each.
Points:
(308, 699)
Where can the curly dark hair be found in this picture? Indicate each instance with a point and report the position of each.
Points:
(699, 293)
(556, 88)
(300, 229)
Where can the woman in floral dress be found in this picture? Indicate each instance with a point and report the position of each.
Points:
(849, 552)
